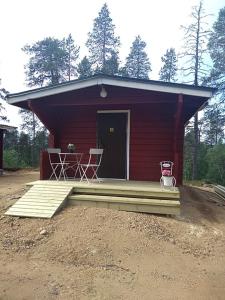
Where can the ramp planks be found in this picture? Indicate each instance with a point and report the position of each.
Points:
(40, 201)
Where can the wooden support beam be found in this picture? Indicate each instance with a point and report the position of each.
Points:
(106, 101)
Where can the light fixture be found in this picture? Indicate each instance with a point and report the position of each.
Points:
(103, 92)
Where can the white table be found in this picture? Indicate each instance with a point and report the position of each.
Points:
(71, 160)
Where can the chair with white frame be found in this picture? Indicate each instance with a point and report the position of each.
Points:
(94, 162)
(58, 167)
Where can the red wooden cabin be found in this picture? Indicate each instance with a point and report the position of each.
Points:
(138, 122)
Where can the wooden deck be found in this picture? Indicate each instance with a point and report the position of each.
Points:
(137, 196)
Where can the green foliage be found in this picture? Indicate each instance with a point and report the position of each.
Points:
(24, 148)
(188, 154)
(213, 123)
(3, 94)
(169, 69)
(216, 47)
(11, 139)
(112, 65)
(103, 44)
(202, 165)
(30, 122)
(51, 61)
(3, 116)
(210, 161)
(216, 164)
(137, 63)
(84, 68)
(71, 56)
(11, 160)
(20, 150)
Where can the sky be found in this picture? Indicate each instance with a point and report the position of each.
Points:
(28, 21)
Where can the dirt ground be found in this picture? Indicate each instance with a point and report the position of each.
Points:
(89, 253)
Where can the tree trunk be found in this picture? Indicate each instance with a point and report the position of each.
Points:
(196, 129)
(195, 147)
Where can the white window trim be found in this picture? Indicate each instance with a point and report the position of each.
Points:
(127, 133)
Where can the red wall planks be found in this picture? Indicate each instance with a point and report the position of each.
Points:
(151, 135)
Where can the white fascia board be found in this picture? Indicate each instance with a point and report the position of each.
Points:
(30, 95)
(158, 88)
(52, 91)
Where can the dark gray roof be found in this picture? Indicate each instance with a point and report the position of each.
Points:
(102, 79)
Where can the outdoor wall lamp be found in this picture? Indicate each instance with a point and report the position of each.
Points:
(103, 92)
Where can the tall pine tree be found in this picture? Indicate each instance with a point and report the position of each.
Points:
(71, 56)
(217, 52)
(47, 61)
(3, 94)
(169, 69)
(137, 63)
(213, 124)
(103, 44)
(33, 127)
(195, 69)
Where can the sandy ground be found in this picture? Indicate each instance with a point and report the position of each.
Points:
(89, 253)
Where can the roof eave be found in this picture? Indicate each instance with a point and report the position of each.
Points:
(80, 84)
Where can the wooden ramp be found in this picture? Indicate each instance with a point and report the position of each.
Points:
(220, 190)
(41, 201)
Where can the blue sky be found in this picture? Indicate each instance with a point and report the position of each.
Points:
(27, 21)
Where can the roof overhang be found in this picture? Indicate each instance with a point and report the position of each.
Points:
(7, 127)
(117, 81)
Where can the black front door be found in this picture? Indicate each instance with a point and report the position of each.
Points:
(112, 137)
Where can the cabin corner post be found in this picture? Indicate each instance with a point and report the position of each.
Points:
(178, 140)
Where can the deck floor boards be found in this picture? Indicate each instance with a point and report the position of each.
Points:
(137, 196)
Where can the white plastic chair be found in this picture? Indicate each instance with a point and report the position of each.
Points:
(56, 163)
(94, 162)
(167, 179)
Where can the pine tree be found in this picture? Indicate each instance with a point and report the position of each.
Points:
(216, 47)
(3, 94)
(47, 61)
(112, 65)
(31, 125)
(195, 69)
(137, 63)
(84, 68)
(71, 56)
(169, 69)
(102, 43)
(213, 123)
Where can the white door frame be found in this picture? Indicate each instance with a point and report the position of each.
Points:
(127, 111)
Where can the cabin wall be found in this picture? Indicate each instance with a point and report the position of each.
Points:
(151, 135)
